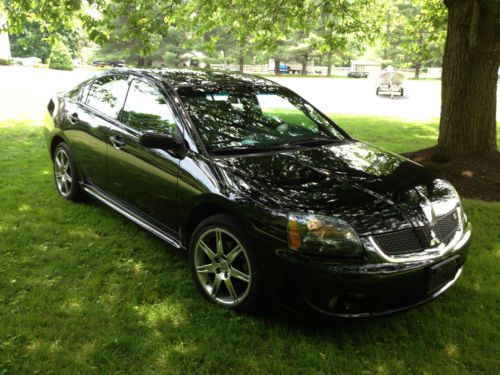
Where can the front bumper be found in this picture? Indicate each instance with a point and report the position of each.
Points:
(353, 290)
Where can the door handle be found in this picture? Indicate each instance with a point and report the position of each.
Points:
(117, 141)
(73, 118)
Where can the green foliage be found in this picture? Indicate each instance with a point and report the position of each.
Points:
(51, 16)
(60, 57)
(413, 32)
(34, 41)
(298, 30)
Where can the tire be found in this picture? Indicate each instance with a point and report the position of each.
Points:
(378, 91)
(402, 92)
(223, 264)
(65, 174)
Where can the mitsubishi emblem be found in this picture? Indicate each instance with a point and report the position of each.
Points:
(428, 210)
(434, 240)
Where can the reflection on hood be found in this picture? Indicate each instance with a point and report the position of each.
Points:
(348, 180)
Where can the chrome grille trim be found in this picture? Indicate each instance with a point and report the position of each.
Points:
(461, 236)
(415, 240)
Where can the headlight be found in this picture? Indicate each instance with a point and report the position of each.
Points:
(322, 235)
(463, 216)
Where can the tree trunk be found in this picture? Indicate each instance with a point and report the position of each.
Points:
(241, 60)
(329, 63)
(387, 33)
(277, 67)
(304, 64)
(224, 53)
(470, 72)
(418, 67)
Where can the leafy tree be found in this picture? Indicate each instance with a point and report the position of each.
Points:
(33, 41)
(51, 16)
(425, 28)
(413, 33)
(343, 27)
(60, 57)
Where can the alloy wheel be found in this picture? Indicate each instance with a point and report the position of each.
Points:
(222, 266)
(62, 171)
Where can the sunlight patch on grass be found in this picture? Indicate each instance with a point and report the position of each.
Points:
(72, 305)
(162, 314)
(84, 233)
(24, 208)
(452, 350)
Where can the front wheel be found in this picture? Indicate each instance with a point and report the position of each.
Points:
(223, 264)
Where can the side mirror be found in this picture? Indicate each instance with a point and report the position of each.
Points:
(165, 142)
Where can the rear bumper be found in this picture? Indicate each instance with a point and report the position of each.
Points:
(343, 290)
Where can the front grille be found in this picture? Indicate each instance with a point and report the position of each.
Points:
(446, 226)
(415, 240)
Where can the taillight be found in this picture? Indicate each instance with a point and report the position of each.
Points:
(50, 107)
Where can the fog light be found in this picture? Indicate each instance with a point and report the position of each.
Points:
(333, 301)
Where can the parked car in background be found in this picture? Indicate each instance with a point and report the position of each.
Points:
(111, 63)
(268, 196)
(356, 74)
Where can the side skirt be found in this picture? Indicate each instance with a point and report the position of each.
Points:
(129, 214)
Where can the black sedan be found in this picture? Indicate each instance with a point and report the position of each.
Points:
(268, 195)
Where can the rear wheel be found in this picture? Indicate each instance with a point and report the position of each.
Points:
(65, 173)
(378, 90)
(223, 264)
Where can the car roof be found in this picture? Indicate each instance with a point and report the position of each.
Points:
(180, 78)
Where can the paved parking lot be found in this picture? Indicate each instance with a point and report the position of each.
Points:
(24, 92)
(422, 99)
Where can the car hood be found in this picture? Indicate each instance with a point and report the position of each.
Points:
(373, 189)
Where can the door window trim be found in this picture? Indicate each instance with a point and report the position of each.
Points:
(95, 110)
(178, 120)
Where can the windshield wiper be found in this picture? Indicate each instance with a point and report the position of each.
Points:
(311, 141)
(272, 147)
(240, 149)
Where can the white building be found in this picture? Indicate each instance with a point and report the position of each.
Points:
(370, 67)
(4, 40)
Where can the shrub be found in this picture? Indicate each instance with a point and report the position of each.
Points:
(5, 61)
(170, 59)
(60, 57)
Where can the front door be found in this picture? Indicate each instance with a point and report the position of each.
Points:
(142, 177)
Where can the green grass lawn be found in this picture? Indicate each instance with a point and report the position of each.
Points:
(397, 135)
(83, 290)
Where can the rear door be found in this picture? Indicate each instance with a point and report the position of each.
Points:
(90, 121)
(142, 177)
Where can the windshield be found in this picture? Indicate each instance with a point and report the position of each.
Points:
(261, 117)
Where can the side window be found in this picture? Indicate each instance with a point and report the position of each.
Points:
(107, 94)
(147, 109)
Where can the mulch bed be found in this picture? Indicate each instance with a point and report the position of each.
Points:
(474, 176)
